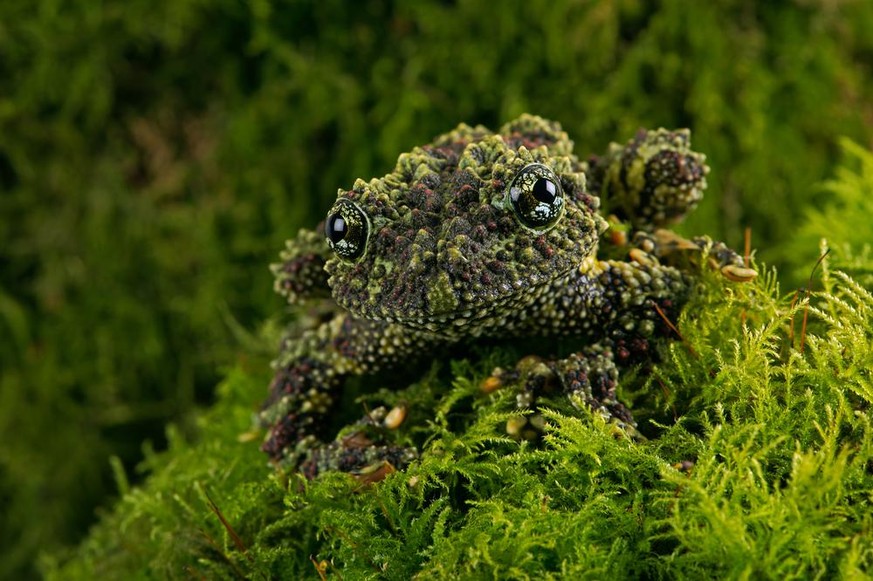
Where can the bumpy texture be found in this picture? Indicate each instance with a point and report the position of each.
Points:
(445, 252)
(482, 234)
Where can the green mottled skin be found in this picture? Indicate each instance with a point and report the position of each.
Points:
(447, 259)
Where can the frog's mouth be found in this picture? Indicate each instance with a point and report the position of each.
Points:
(475, 319)
(441, 309)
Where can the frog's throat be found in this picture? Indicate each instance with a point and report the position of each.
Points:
(478, 317)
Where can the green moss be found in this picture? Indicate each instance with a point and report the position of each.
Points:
(833, 226)
(756, 465)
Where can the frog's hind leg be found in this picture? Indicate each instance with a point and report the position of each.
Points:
(670, 248)
(652, 181)
(312, 369)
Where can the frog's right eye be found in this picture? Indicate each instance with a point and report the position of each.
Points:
(346, 229)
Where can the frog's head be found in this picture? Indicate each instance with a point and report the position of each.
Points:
(463, 230)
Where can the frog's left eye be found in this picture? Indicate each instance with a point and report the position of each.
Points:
(536, 196)
(346, 229)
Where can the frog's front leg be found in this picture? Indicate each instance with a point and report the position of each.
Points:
(670, 248)
(621, 307)
(589, 377)
(312, 369)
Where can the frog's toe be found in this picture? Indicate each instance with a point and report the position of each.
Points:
(588, 377)
(670, 246)
(532, 374)
(359, 454)
(527, 427)
(736, 273)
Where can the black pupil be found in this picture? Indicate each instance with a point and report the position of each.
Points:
(545, 190)
(336, 228)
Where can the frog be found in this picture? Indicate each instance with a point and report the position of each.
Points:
(477, 235)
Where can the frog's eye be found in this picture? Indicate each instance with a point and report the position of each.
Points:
(536, 196)
(346, 229)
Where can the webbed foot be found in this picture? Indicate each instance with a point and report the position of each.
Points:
(589, 378)
(672, 248)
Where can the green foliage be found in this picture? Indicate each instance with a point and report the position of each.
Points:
(756, 466)
(840, 222)
(154, 155)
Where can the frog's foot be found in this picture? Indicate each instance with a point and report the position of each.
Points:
(364, 450)
(649, 247)
(653, 180)
(310, 373)
(299, 398)
(358, 455)
(588, 377)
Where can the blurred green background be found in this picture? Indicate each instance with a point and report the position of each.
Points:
(154, 156)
